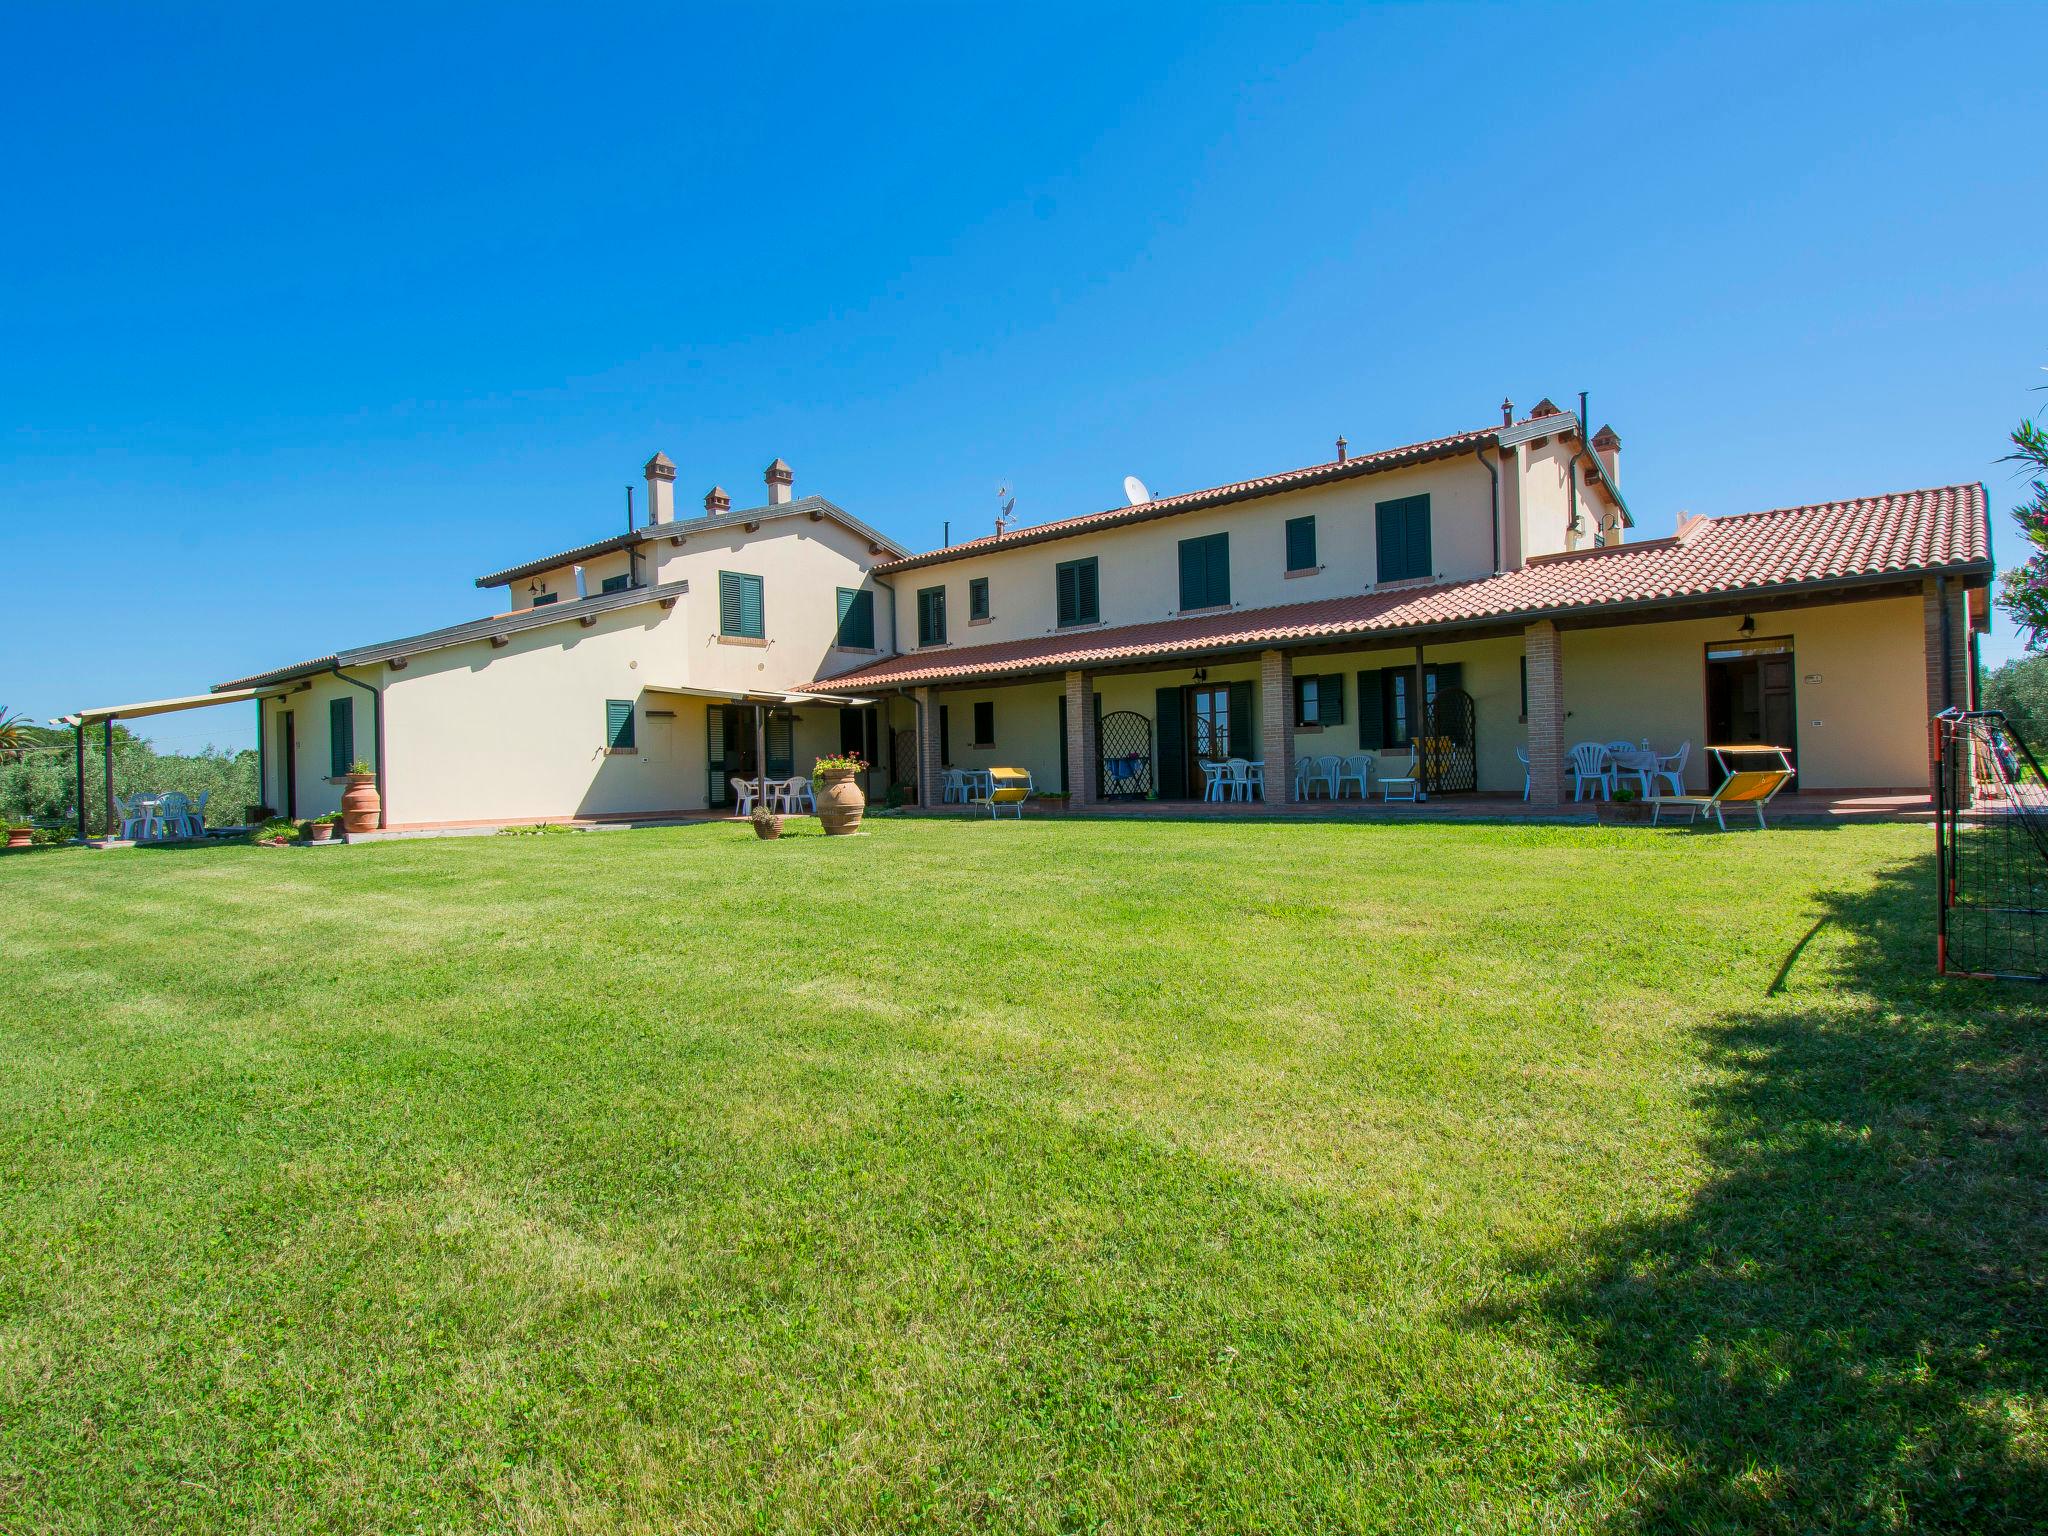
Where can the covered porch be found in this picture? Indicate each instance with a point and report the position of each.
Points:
(1483, 718)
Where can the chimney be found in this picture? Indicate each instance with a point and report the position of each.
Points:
(1507, 412)
(779, 479)
(716, 502)
(661, 490)
(1607, 443)
(1343, 449)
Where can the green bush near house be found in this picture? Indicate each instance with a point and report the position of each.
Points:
(1044, 1176)
(41, 782)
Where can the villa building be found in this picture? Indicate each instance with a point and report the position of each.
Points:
(1485, 594)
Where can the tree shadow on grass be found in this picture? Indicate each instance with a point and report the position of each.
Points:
(1844, 1329)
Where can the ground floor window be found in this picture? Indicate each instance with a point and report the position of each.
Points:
(985, 724)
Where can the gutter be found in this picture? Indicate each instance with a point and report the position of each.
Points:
(1948, 643)
(377, 730)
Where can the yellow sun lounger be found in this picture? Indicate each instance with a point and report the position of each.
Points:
(1007, 787)
(1752, 787)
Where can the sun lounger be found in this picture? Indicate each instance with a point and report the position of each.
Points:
(1751, 787)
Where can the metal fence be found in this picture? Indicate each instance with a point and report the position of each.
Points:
(1991, 844)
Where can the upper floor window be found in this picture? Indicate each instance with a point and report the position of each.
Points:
(1301, 544)
(977, 598)
(856, 620)
(1205, 571)
(931, 616)
(617, 583)
(1079, 591)
(1404, 538)
(739, 606)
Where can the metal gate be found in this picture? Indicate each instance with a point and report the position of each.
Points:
(1991, 848)
(1449, 748)
(1124, 741)
(903, 763)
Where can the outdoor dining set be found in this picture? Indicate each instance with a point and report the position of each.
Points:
(788, 797)
(149, 817)
(1600, 768)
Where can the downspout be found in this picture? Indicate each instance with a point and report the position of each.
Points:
(262, 770)
(1493, 473)
(107, 761)
(377, 735)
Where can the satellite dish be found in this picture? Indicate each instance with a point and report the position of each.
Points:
(1135, 489)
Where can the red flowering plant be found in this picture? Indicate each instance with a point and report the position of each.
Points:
(2023, 592)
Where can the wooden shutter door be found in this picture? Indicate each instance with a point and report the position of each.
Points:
(1219, 568)
(1372, 712)
(1169, 730)
(1242, 736)
(714, 755)
(781, 744)
(1086, 596)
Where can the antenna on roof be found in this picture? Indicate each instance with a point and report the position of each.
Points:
(1134, 488)
(1003, 517)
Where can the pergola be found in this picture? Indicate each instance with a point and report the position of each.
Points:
(105, 715)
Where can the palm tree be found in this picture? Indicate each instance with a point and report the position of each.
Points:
(15, 740)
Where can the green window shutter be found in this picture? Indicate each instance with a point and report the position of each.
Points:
(977, 598)
(1371, 711)
(1170, 730)
(1242, 737)
(856, 619)
(1301, 543)
(1061, 783)
(1205, 571)
(1525, 686)
(617, 583)
(341, 736)
(739, 606)
(1077, 590)
(1330, 699)
(985, 723)
(753, 619)
(545, 598)
(618, 724)
(714, 754)
(1403, 537)
(931, 616)
(945, 736)
(781, 733)
(728, 602)
(1304, 711)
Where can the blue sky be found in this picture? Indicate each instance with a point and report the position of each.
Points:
(311, 318)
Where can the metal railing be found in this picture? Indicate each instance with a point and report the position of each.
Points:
(1991, 848)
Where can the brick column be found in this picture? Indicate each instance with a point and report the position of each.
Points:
(927, 746)
(1543, 647)
(1276, 724)
(1081, 750)
(1958, 691)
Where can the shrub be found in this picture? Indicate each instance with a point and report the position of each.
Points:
(840, 762)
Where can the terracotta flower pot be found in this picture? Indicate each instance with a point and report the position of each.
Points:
(360, 803)
(19, 837)
(766, 827)
(320, 831)
(840, 801)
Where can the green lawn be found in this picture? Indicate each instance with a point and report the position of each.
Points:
(1054, 1176)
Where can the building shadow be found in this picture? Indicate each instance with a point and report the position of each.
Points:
(1845, 1328)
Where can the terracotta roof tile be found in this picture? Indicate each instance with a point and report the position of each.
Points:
(1835, 543)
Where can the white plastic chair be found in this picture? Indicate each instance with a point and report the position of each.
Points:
(1255, 779)
(1318, 770)
(953, 787)
(196, 813)
(1215, 779)
(747, 792)
(800, 796)
(1237, 784)
(129, 817)
(1673, 768)
(1398, 780)
(173, 816)
(1522, 757)
(1590, 765)
(1356, 769)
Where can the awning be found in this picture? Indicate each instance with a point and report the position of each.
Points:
(756, 695)
(156, 707)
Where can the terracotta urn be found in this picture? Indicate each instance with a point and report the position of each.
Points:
(840, 801)
(19, 837)
(322, 831)
(360, 803)
(767, 827)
